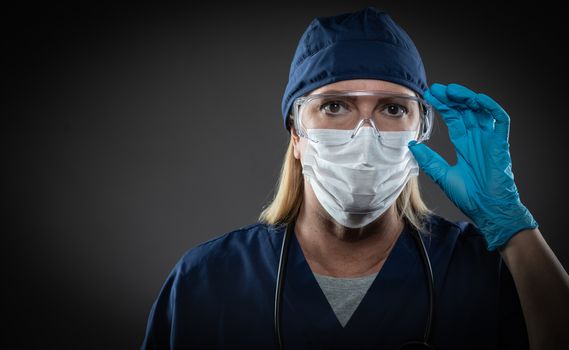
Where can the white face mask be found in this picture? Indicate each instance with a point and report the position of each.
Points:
(358, 181)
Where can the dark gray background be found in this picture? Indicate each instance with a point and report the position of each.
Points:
(131, 134)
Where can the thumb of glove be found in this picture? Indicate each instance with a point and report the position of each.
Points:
(429, 161)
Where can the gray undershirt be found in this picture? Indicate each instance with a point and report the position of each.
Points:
(344, 294)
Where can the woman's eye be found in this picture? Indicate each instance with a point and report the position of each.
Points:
(333, 107)
(395, 110)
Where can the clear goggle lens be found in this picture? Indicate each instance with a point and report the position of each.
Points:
(350, 110)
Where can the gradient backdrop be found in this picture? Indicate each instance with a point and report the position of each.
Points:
(132, 133)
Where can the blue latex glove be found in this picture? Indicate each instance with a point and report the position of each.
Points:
(481, 183)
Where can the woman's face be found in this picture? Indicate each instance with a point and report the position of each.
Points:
(348, 85)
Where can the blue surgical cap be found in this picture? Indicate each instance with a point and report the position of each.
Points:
(365, 44)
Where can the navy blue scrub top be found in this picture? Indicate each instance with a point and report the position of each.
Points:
(220, 295)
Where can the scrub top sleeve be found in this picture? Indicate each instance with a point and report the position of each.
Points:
(513, 331)
(159, 326)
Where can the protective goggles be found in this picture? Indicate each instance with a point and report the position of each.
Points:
(349, 110)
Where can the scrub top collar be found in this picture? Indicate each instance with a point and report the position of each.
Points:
(306, 309)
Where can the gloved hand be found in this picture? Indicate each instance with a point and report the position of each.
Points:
(481, 183)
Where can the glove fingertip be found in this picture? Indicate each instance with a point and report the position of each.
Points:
(420, 151)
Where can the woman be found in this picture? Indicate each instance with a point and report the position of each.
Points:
(347, 255)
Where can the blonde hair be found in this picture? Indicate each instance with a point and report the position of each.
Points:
(288, 197)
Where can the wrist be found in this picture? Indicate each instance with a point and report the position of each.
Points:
(504, 223)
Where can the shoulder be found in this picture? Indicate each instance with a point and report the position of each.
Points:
(438, 224)
(461, 243)
(465, 233)
(463, 250)
(227, 249)
(205, 287)
(465, 269)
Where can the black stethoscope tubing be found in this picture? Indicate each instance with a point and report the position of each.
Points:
(425, 344)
